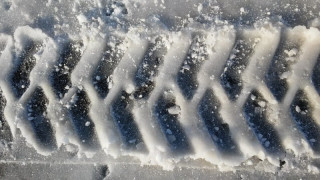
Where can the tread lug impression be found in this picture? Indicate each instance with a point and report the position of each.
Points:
(149, 67)
(37, 117)
(166, 112)
(187, 75)
(316, 75)
(219, 131)
(121, 113)
(26, 61)
(102, 78)
(81, 121)
(68, 59)
(301, 113)
(255, 113)
(231, 79)
(5, 133)
(280, 65)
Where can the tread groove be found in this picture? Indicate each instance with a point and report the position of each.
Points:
(231, 79)
(69, 57)
(168, 118)
(82, 123)
(219, 131)
(149, 68)
(301, 113)
(255, 113)
(25, 63)
(37, 116)
(121, 113)
(316, 75)
(276, 75)
(5, 132)
(187, 75)
(102, 78)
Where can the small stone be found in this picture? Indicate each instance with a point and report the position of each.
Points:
(174, 110)
(262, 104)
(267, 143)
(172, 138)
(312, 140)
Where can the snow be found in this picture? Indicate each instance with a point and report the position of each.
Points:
(138, 22)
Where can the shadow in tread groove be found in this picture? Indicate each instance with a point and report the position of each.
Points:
(121, 113)
(82, 123)
(167, 114)
(187, 75)
(276, 76)
(254, 110)
(102, 78)
(301, 113)
(316, 75)
(101, 172)
(26, 61)
(69, 58)
(5, 133)
(231, 79)
(37, 117)
(219, 131)
(149, 67)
